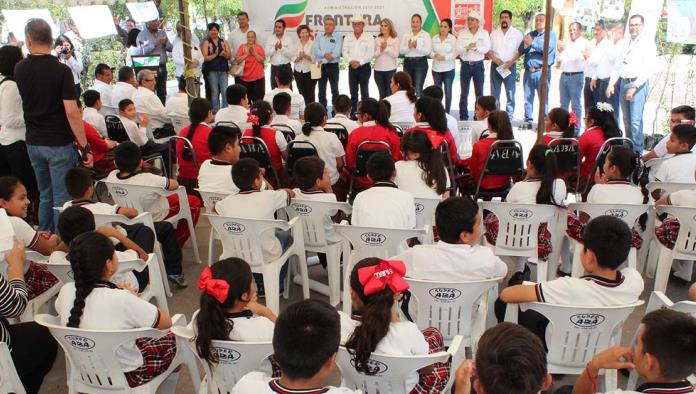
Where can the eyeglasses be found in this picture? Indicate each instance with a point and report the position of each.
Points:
(151, 80)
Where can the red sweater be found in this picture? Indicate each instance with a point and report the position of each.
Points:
(371, 132)
(95, 141)
(479, 154)
(200, 148)
(268, 136)
(590, 143)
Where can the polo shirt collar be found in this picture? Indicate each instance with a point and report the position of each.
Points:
(249, 192)
(277, 388)
(369, 123)
(604, 281)
(385, 184)
(618, 182)
(233, 315)
(131, 175)
(667, 388)
(219, 162)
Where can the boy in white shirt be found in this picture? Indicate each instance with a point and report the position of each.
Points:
(282, 110)
(683, 114)
(215, 174)
(283, 79)
(91, 114)
(383, 204)
(680, 167)
(342, 109)
(237, 105)
(137, 133)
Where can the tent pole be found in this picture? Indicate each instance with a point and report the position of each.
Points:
(543, 89)
(189, 73)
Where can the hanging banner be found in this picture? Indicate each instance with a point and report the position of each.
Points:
(16, 20)
(681, 21)
(93, 21)
(143, 12)
(613, 9)
(586, 12)
(462, 9)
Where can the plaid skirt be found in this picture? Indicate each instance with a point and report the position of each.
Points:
(38, 279)
(182, 230)
(667, 232)
(576, 228)
(437, 379)
(543, 240)
(157, 357)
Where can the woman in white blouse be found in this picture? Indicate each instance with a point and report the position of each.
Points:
(303, 60)
(386, 52)
(416, 48)
(444, 55)
(402, 100)
(70, 57)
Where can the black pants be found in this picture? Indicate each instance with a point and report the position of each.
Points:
(161, 83)
(329, 73)
(33, 353)
(153, 148)
(306, 85)
(166, 235)
(145, 238)
(383, 81)
(16, 160)
(255, 89)
(274, 72)
(358, 78)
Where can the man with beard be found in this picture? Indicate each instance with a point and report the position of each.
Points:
(504, 43)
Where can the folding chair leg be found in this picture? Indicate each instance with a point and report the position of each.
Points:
(194, 243)
(664, 263)
(632, 260)
(647, 236)
(163, 271)
(347, 303)
(542, 270)
(333, 266)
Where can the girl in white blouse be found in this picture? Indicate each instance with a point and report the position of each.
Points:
(444, 55)
(386, 52)
(416, 48)
(303, 60)
(422, 172)
(329, 147)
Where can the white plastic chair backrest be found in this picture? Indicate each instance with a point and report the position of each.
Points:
(179, 122)
(210, 199)
(629, 213)
(375, 241)
(669, 187)
(575, 333)
(131, 196)
(9, 380)
(425, 211)
(451, 307)
(685, 245)
(518, 226)
(240, 237)
(235, 359)
(313, 216)
(63, 271)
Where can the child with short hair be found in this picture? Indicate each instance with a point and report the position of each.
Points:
(136, 128)
(282, 106)
(682, 114)
(559, 123)
(260, 117)
(343, 109)
(668, 231)
(484, 106)
(383, 204)
(422, 172)
(91, 114)
(197, 132)
(215, 174)
(680, 167)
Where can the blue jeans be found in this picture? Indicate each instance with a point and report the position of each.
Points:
(218, 87)
(50, 164)
(571, 93)
(510, 84)
(532, 85)
(633, 113)
(417, 68)
(445, 78)
(469, 71)
(383, 81)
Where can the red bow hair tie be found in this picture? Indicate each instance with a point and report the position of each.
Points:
(216, 288)
(253, 119)
(434, 137)
(573, 120)
(376, 278)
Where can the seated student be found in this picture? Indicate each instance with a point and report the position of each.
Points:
(329, 148)
(606, 243)
(422, 172)
(177, 104)
(137, 132)
(664, 355)
(305, 342)
(282, 108)
(237, 106)
(283, 79)
(383, 204)
(375, 127)
(375, 285)
(342, 109)
(680, 167)
(430, 116)
(200, 115)
(260, 117)
(683, 114)
(600, 125)
(215, 174)
(436, 92)
(94, 302)
(101, 147)
(559, 123)
(483, 107)
(91, 114)
(509, 359)
(668, 231)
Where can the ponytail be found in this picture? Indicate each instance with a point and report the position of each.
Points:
(430, 159)
(404, 82)
(561, 118)
(544, 161)
(198, 112)
(263, 112)
(625, 159)
(377, 111)
(314, 115)
(433, 112)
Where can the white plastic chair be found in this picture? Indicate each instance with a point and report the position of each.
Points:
(425, 216)
(392, 371)
(684, 246)
(93, 365)
(131, 196)
(35, 304)
(235, 359)
(240, 238)
(9, 380)
(313, 215)
(518, 228)
(370, 242)
(576, 333)
(629, 213)
(209, 201)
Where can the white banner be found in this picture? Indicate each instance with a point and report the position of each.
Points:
(143, 12)
(681, 21)
(613, 9)
(17, 20)
(93, 21)
(586, 12)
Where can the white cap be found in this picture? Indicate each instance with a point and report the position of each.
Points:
(357, 18)
(475, 15)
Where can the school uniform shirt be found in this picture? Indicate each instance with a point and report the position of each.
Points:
(661, 148)
(105, 90)
(319, 195)
(177, 105)
(590, 290)
(256, 204)
(127, 278)
(97, 208)
(297, 102)
(551, 135)
(360, 49)
(96, 119)
(483, 44)
(446, 48)
(371, 131)
(409, 177)
(590, 142)
(96, 142)
(401, 108)
(329, 148)
(260, 383)
(384, 205)
(479, 154)
(344, 121)
(678, 168)
(683, 198)
(285, 120)
(110, 308)
(216, 176)
(385, 60)
(232, 113)
(121, 91)
(573, 57)
(275, 142)
(614, 192)
(23, 231)
(524, 192)
(147, 102)
(135, 133)
(157, 205)
(424, 44)
(285, 54)
(682, 387)
(187, 169)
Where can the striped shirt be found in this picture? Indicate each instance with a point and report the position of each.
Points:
(13, 301)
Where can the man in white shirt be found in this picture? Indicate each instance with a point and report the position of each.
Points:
(280, 49)
(572, 55)
(237, 109)
(634, 64)
(598, 66)
(147, 102)
(103, 75)
(283, 79)
(125, 87)
(358, 50)
(503, 54)
(91, 114)
(472, 45)
(237, 37)
(177, 103)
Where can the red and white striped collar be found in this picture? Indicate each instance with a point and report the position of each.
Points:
(666, 388)
(604, 281)
(277, 388)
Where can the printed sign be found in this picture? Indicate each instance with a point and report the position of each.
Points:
(445, 293)
(93, 21)
(233, 227)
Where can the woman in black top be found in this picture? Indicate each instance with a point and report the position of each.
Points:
(217, 54)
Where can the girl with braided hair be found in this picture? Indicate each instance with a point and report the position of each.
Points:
(260, 117)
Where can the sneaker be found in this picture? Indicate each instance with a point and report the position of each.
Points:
(178, 280)
(525, 126)
(561, 274)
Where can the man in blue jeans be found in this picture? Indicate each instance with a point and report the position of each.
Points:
(572, 55)
(472, 45)
(532, 48)
(327, 51)
(504, 43)
(52, 118)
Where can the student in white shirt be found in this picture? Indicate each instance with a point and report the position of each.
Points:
(125, 86)
(215, 174)
(342, 107)
(572, 55)
(383, 204)
(422, 172)
(679, 167)
(503, 54)
(91, 112)
(682, 114)
(668, 231)
(358, 51)
(136, 128)
(386, 53)
(416, 47)
(282, 106)
(473, 44)
(147, 102)
(280, 49)
(403, 99)
(103, 75)
(283, 79)
(237, 109)
(177, 103)
(444, 59)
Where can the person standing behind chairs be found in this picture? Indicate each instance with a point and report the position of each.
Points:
(572, 55)
(532, 48)
(253, 77)
(358, 50)
(416, 48)
(386, 52)
(327, 51)
(504, 43)
(238, 37)
(472, 44)
(634, 65)
(444, 60)
(153, 41)
(216, 54)
(280, 49)
(303, 58)
(598, 67)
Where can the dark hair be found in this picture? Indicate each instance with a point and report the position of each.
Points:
(624, 158)
(404, 82)
(213, 25)
(561, 118)
(601, 23)
(198, 112)
(606, 121)
(10, 55)
(91, 97)
(417, 16)
(454, 216)
(448, 21)
(127, 156)
(488, 103)
(685, 110)
(8, 184)
(510, 359)
(281, 103)
(244, 172)
(433, 112)
(685, 133)
(430, 159)
(544, 161)
(387, 108)
(181, 81)
(314, 115)
(77, 181)
(376, 317)
(307, 170)
(281, 21)
(125, 73)
(578, 24)
(499, 122)
(303, 27)
(263, 110)
(212, 322)
(123, 104)
(284, 76)
(242, 13)
(306, 334)
(73, 221)
(235, 94)
(639, 16)
(434, 91)
(39, 30)
(132, 39)
(380, 167)
(670, 336)
(377, 111)
(62, 39)
(101, 67)
(610, 240)
(342, 103)
(221, 136)
(88, 255)
(505, 12)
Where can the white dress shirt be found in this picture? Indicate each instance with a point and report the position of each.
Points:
(483, 44)
(505, 44)
(135, 133)
(104, 90)
(385, 60)
(360, 48)
(297, 103)
(602, 60)
(237, 37)
(401, 108)
(385, 206)
(12, 127)
(345, 121)
(178, 54)
(121, 91)
(446, 48)
(424, 44)
(285, 54)
(178, 105)
(232, 113)
(303, 65)
(635, 59)
(147, 102)
(93, 117)
(573, 56)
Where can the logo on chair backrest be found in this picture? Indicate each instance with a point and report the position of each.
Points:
(587, 320)
(120, 191)
(251, 148)
(376, 367)
(233, 227)
(445, 293)
(521, 213)
(79, 343)
(226, 356)
(214, 199)
(373, 238)
(302, 209)
(419, 208)
(616, 212)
